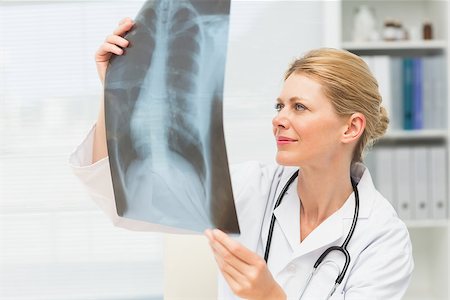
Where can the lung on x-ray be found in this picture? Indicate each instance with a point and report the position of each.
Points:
(163, 110)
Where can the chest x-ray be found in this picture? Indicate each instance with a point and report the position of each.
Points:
(163, 106)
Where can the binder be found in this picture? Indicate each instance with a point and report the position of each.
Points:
(396, 116)
(403, 181)
(407, 93)
(420, 186)
(429, 94)
(438, 181)
(417, 94)
(384, 177)
(381, 68)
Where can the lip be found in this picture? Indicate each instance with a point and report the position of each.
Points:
(283, 140)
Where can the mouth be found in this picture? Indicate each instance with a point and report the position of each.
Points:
(282, 140)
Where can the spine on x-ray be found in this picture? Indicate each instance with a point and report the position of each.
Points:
(183, 67)
(163, 118)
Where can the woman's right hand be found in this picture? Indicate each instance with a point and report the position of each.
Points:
(113, 44)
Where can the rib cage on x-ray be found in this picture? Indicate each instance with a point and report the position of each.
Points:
(175, 82)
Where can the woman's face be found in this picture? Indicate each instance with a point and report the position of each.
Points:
(307, 129)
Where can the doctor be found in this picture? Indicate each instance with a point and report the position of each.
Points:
(318, 195)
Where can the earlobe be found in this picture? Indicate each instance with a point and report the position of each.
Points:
(355, 128)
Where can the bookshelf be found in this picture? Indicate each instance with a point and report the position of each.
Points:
(430, 235)
(416, 135)
(397, 45)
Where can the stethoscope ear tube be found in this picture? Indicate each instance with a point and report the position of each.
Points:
(272, 220)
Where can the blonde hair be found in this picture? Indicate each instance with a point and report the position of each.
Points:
(351, 87)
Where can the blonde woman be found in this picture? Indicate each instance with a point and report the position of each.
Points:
(313, 226)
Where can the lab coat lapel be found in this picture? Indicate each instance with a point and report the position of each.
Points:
(288, 216)
(278, 185)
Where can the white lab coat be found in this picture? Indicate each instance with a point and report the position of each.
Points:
(380, 249)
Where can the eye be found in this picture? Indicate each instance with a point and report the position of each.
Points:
(299, 107)
(278, 106)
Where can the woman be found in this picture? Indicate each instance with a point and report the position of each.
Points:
(328, 112)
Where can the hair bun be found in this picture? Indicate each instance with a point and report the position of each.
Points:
(382, 123)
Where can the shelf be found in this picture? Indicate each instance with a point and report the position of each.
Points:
(396, 45)
(427, 223)
(419, 135)
(429, 237)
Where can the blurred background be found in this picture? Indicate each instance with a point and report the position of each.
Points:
(54, 241)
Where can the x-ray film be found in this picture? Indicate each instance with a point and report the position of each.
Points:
(163, 110)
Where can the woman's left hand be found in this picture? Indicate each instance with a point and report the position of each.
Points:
(245, 271)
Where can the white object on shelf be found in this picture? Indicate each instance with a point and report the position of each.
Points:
(363, 24)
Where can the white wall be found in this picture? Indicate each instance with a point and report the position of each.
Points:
(265, 36)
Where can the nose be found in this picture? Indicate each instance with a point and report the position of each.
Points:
(280, 122)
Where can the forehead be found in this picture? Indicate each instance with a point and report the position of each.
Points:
(302, 87)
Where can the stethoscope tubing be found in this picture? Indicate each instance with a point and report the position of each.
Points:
(272, 221)
(342, 248)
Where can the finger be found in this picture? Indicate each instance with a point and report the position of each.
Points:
(125, 20)
(117, 40)
(208, 234)
(229, 269)
(104, 51)
(230, 258)
(224, 265)
(123, 28)
(238, 250)
(233, 283)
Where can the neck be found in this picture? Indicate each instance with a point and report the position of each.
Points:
(323, 191)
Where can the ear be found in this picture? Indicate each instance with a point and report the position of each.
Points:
(355, 126)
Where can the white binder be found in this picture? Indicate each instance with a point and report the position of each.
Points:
(381, 69)
(403, 180)
(438, 181)
(420, 186)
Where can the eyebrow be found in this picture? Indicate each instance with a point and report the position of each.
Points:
(293, 99)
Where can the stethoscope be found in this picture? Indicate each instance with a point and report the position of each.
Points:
(342, 249)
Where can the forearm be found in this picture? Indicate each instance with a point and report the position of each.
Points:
(100, 148)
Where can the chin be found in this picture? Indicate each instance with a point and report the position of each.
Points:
(287, 160)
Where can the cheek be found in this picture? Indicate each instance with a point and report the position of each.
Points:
(318, 134)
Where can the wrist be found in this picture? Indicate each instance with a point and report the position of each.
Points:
(275, 293)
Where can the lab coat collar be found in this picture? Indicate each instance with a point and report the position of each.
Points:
(361, 175)
(332, 229)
